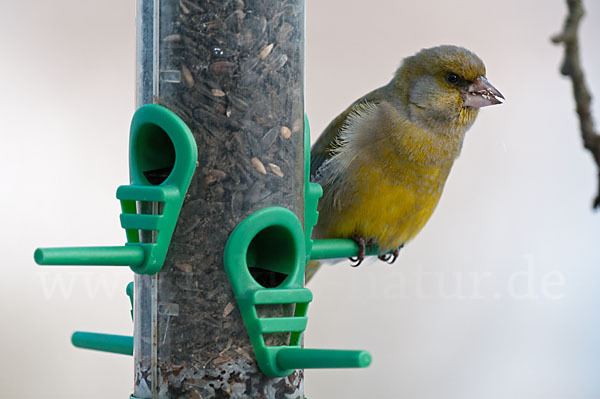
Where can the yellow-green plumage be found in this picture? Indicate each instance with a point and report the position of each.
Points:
(384, 161)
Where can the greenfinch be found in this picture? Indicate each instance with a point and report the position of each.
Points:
(383, 162)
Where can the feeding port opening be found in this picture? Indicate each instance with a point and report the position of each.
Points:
(155, 153)
(271, 256)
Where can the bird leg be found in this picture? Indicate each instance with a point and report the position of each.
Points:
(362, 250)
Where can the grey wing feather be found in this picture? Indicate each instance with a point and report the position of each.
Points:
(323, 149)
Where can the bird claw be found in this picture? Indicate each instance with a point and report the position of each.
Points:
(385, 258)
(390, 258)
(356, 260)
(362, 250)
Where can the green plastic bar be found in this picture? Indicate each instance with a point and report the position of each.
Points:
(281, 324)
(299, 358)
(337, 248)
(122, 344)
(128, 255)
(276, 296)
(144, 193)
(141, 222)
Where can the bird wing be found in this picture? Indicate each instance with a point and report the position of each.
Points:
(325, 145)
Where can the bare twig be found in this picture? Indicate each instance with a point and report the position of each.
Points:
(571, 67)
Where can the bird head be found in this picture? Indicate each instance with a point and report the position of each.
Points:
(444, 87)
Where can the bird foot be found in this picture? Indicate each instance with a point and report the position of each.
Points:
(362, 250)
(390, 258)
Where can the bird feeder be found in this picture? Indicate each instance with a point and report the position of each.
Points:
(219, 211)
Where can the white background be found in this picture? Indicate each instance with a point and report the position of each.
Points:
(497, 297)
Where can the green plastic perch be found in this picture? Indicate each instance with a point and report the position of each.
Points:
(302, 358)
(122, 344)
(128, 255)
(337, 248)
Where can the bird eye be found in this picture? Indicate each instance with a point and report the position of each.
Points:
(452, 78)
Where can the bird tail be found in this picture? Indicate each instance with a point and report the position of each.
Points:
(311, 268)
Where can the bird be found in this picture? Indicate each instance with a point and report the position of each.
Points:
(383, 162)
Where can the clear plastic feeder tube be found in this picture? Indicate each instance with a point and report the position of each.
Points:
(233, 70)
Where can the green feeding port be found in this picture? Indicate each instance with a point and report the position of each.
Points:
(273, 240)
(163, 157)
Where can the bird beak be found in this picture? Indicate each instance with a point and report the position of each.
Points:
(482, 93)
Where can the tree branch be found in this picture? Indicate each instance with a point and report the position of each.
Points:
(571, 67)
